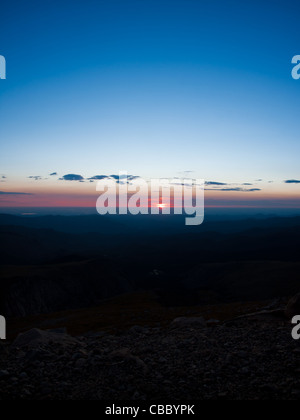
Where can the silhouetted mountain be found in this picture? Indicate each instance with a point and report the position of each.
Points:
(154, 224)
(48, 288)
(255, 259)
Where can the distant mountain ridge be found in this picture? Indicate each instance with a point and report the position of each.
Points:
(128, 224)
(55, 263)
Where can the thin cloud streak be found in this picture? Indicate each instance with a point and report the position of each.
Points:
(13, 193)
(292, 181)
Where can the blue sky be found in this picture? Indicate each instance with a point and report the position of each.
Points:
(152, 87)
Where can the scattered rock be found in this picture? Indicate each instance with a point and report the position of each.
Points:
(136, 329)
(125, 354)
(248, 359)
(36, 337)
(80, 363)
(4, 374)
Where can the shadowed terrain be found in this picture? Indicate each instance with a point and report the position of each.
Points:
(204, 306)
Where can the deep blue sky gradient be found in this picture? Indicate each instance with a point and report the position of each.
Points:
(153, 87)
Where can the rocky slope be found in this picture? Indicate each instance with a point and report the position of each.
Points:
(250, 357)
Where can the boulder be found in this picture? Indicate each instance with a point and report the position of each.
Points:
(137, 329)
(293, 307)
(188, 322)
(35, 337)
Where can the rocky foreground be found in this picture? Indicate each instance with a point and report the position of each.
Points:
(252, 357)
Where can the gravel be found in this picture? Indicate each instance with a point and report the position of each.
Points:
(249, 358)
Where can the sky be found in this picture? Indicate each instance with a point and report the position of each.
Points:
(158, 88)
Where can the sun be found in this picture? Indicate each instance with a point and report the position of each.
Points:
(161, 206)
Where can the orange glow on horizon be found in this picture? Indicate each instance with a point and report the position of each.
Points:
(85, 195)
(161, 206)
